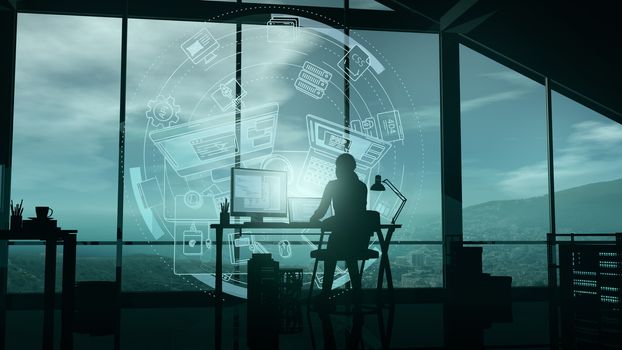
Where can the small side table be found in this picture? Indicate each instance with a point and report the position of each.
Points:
(52, 237)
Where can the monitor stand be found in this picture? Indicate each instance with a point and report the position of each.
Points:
(256, 219)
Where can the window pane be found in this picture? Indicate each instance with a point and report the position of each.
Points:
(504, 164)
(368, 5)
(526, 264)
(26, 273)
(319, 3)
(25, 269)
(173, 68)
(588, 164)
(171, 192)
(395, 102)
(65, 142)
(270, 69)
(150, 268)
(96, 263)
(412, 266)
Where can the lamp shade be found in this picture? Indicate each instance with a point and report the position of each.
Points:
(377, 186)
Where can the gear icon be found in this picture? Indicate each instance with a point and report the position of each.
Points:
(163, 111)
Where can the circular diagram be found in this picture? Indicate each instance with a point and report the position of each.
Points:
(287, 108)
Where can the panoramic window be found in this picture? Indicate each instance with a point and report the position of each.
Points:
(66, 137)
(504, 172)
(587, 158)
(187, 95)
(174, 69)
(66, 131)
(400, 92)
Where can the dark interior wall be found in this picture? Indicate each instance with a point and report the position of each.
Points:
(576, 44)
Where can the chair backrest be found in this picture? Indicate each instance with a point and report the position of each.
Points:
(372, 221)
(360, 231)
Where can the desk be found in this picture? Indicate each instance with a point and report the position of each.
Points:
(383, 240)
(51, 237)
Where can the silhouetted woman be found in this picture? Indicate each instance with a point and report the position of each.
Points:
(348, 195)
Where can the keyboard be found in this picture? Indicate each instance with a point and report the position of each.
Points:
(319, 171)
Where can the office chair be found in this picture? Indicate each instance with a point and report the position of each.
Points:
(360, 232)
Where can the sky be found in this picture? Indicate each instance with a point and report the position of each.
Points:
(504, 150)
(67, 106)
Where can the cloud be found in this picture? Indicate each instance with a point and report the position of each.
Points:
(479, 102)
(596, 134)
(592, 154)
(519, 84)
(430, 115)
(66, 103)
(512, 77)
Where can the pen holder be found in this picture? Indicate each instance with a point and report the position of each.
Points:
(224, 218)
(16, 223)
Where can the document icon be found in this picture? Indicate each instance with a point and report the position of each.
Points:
(193, 241)
(358, 63)
(200, 47)
(282, 29)
(391, 126)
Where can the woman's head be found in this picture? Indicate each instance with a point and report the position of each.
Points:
(345, 164)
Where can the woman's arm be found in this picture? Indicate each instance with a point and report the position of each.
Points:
(324, 204)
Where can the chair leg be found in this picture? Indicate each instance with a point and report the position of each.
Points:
(319, 246)
(312, 281)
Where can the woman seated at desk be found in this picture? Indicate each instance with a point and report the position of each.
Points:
(348, 195)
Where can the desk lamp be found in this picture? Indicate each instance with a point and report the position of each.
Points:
(378, 186)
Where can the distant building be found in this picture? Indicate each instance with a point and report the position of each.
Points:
(414, 279)
(419, 260)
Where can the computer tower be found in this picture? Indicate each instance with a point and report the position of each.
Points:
(262, 329)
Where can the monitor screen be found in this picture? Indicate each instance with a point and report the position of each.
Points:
(258, 193)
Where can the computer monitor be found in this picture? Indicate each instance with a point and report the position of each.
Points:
(258, 193)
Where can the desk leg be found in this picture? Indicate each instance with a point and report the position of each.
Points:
(69, 279)
(218, 291)
(49, 293)
(385, 266)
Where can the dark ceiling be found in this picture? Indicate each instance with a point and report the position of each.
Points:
(578, 44)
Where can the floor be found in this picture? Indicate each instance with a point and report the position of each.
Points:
(414, 326)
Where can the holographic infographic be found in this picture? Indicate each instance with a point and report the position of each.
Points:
(282, 110)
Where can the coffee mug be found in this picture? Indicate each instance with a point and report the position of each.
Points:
(42, 212)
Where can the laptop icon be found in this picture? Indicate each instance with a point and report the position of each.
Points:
(211, 143)
(327, 140)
